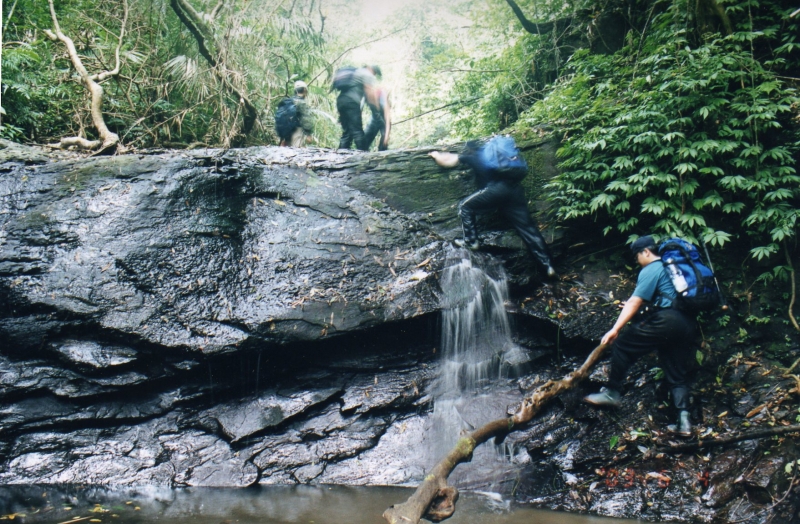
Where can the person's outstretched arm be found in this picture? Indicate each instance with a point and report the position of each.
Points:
(444, 159)
(629, 311)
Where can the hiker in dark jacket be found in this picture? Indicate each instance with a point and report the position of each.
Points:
(659, 327)
(495, 194)
(359, 86)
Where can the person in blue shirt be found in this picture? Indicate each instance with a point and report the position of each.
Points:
(654, 326)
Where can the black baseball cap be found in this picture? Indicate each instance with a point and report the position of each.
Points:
(645, 242)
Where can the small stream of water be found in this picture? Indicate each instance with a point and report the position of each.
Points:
(271, 505)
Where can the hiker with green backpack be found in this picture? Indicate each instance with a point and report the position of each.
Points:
(672, 288)
(499, 168)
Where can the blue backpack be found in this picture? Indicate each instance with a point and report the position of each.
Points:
(286, 120)
(501, 158)
(693, 280)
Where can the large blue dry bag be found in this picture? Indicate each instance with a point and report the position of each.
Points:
(693, 280)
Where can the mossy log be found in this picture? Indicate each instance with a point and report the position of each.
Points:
(434, 489)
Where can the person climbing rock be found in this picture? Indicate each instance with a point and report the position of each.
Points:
(354, 85)
(499, 190)
(654, 326)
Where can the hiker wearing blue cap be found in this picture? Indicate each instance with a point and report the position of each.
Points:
(654, 326)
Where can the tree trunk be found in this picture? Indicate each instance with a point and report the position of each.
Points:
(107, 138)
(210, 49)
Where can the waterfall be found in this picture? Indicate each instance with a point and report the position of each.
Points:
(475, 327)
(476, 347)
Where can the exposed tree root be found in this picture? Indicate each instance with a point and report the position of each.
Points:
(435, 483)
(79, 142)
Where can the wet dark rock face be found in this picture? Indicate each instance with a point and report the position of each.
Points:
(218, 318)
(270, 316)
(205, 253)
(209, 318)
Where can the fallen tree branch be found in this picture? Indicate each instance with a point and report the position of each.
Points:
(434, 489)
(731, 439)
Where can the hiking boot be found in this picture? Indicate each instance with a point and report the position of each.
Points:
(606, 397)
(684, 426)
(472, 246)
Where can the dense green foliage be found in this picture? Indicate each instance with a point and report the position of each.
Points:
(166, 93)
(680, 139)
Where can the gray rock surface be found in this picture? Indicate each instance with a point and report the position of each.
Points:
(216, 318)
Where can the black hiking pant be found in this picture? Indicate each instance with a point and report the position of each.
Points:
(350, 118)
(670, 333)
(509, 199)
(376, 125)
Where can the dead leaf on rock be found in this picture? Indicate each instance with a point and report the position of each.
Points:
(755, 411)
(663, 480)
